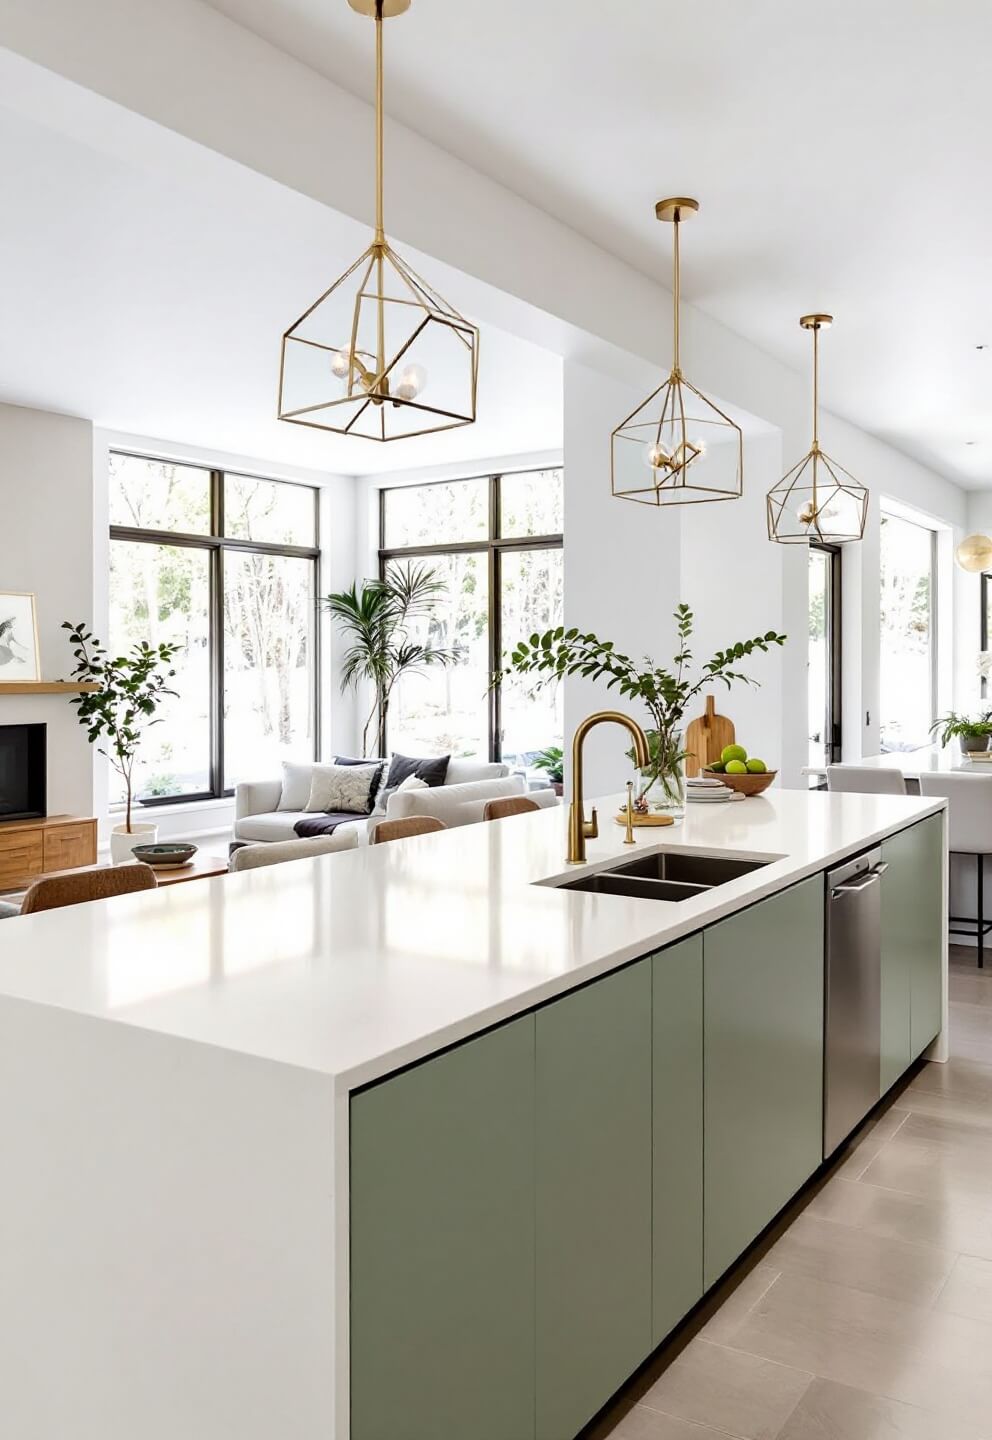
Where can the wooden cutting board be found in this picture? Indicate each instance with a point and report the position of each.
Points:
(705, 737)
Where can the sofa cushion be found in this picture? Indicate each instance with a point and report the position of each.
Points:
(431, 769)
(462, 771)
(251, 857)
(278, 825)
(296, 780)
(369, 760)
(347, 788)
(454, 804)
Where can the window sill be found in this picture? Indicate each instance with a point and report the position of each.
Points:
(173, 807)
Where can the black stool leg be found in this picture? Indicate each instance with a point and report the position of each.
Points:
(981, 911)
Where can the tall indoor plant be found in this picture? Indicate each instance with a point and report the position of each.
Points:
(665, 693)
(127, 691)
(380, 619)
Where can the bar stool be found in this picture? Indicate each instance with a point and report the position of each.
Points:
(509, 805)
(404, 829)
(865, 780)
(969, 828)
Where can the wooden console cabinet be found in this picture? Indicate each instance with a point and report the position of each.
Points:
(29, 848)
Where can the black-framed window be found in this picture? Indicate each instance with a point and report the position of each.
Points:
(986, 629)
(824, 657)
(224, 564)
(908, 632)
(496, 542)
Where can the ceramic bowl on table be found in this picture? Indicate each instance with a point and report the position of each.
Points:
(744, 784)
(165, 856)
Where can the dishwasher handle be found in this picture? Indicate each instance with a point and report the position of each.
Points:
(874, 874)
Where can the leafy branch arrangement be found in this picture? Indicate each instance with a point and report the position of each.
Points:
(129, 690)
(379, 618)
(666, 693)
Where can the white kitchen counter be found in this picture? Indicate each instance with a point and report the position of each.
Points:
(356, 963)
(175, 1079)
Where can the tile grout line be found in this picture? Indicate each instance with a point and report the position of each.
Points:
(883, 1145)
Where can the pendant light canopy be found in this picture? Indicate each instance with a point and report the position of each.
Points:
(380, 354)
(677, 447)
(818, 499)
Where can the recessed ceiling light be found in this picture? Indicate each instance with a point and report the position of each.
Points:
(971, 442)
(981, 347)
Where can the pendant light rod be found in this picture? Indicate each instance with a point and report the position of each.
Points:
(673, 211)
(380, 233)
(816, 323)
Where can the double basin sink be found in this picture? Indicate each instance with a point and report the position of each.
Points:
(665, 875)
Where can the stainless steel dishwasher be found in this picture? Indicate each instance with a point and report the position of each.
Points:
(852, 1001)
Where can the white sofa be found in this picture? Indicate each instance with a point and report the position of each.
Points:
(257, 817)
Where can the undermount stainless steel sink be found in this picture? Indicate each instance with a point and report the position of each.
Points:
(665, 875)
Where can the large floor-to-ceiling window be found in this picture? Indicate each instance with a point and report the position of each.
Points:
(224, 565)
(908, 640)
(824, 656)
(496, 543)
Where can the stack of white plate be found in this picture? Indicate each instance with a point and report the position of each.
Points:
(708, 791)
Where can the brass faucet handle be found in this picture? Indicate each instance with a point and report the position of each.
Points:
(629, 837)
(590, 828)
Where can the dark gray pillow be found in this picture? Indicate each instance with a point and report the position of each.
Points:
(432, 770)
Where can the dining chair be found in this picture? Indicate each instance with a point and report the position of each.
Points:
(76, 887)
(408, 826)
(969, 832)
(865, 780)
(509, 805)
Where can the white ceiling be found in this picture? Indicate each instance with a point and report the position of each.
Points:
(838, 150)
(145, 283)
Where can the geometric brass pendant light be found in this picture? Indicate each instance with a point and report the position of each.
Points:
(818, 499)
(380, 354)
(677, 447)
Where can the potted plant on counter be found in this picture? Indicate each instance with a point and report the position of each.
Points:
(972, 735)
(128, 690)
(665, 693)
(552, 762)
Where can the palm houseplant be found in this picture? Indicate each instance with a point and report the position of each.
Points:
(552, 761)
(390, 631)
(663, 692)
(122, 697)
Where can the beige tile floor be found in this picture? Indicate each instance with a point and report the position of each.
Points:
(869, 1317)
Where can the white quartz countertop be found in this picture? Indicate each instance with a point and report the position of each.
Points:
(930, 760)
(356, 963)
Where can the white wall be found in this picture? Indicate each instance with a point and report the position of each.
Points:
(46, 546)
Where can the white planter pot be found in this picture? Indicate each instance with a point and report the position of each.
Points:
(122, 844)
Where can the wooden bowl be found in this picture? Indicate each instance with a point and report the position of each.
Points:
(744, 784)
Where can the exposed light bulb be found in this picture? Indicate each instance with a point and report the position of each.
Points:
(410, 382)
(656, 457)
(341, 363)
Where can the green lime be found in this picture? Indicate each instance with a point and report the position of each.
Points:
(736, 767)
(756, 766)
(718, 766)
(733, 752)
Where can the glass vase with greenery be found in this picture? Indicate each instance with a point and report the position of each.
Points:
(665, 692)
(127, 691)
(380, 619)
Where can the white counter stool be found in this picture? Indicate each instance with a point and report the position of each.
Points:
(864, 780)
(969, 828)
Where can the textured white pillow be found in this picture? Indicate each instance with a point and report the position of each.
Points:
(342, 788)
(295, 785)
(412, 782)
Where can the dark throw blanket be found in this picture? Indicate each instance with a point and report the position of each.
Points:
(321, 824)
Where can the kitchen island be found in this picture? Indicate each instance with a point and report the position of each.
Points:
(410, 1141)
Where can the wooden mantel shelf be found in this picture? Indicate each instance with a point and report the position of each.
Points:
(45, 687)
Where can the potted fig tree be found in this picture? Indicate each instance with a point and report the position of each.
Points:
(123, 693)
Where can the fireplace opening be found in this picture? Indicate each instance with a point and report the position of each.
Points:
(23, 772)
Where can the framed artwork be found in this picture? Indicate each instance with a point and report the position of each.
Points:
(18, 638)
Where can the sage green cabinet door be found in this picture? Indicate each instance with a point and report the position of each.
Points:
(593, 1197)
(677, 1010)
(442, 1246)
(763, 1066)
(912, 944)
